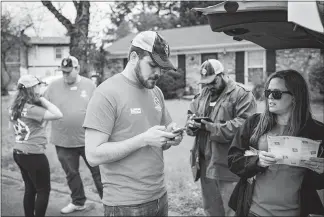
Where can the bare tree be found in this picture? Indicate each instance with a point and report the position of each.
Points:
(78, 31)
(12, 38)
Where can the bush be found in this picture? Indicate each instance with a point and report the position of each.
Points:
(172, 84)
(258, 90)
(316, 77)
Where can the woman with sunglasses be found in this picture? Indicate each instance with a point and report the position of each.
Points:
(28, 113)
(266, 188)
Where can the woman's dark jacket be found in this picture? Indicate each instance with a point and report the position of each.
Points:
(246, 166)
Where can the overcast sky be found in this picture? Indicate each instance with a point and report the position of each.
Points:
(45, 22)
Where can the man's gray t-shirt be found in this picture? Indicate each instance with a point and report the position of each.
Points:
(72, 100)
(123, 109)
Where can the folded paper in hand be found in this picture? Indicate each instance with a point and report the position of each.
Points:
(293, 151)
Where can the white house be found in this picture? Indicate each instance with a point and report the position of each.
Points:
(44, 55)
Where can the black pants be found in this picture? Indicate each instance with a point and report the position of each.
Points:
(70, 161)
(35, 172)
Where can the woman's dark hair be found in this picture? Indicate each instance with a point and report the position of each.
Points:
(24, 95)
(140, 52)
(300, 113)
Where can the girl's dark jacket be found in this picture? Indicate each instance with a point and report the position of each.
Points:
(246, 166)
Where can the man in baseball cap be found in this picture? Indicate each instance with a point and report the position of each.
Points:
(227, 104)
(209, 70)
(127, 124)
(157, 47)
(71, 94)
(71, 69)
(68, 63)
(212, 75)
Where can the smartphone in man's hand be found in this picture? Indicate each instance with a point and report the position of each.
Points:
(180, 130)
(198, 119)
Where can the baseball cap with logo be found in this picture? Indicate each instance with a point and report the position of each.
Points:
(68, 63)
(157, 47)
(209, 70)
(29, 81)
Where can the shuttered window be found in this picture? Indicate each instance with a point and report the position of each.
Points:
(255, 66)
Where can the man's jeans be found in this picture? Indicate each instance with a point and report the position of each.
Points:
(216, 194)
(69, 158)
(158, 207)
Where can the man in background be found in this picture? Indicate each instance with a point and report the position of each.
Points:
(227, 104)
(71, 95)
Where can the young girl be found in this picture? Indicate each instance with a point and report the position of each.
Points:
(28, 113)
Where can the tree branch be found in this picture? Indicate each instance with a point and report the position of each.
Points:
(67, 23)
(76, 5)
(79, 9)
(26, 27)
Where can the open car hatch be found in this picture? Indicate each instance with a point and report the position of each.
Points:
(266, 23)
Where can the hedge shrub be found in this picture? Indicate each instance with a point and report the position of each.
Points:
(316, 77)
(172, 83)
(258, 91)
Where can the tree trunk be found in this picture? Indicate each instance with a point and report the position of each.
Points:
(79, 49)
(5, 79)
(79, 36)
(78, 31)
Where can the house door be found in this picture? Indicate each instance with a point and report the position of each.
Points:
(206, 56)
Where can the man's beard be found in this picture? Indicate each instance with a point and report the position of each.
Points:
(219, 90)
(150, 82)
(69, 81)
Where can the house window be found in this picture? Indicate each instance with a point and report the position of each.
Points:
(206, 56)
(58, 53)
(255, 66)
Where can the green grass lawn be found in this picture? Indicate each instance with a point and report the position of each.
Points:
(184, 193)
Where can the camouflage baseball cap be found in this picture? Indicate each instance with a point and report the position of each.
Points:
(157, 47)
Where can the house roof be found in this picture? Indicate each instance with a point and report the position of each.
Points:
(182, 40)
(49, 40)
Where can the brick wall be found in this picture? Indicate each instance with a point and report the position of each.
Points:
(228, 61)
(300, 59)
(193, 62)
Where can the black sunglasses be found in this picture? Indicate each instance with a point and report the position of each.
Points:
(276, 94)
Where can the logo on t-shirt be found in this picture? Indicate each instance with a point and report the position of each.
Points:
(22, 131)
(74, 88)
(135, 111)
(157, 104)
(83, 94)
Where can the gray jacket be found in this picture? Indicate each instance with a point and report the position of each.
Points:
(232, 108)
